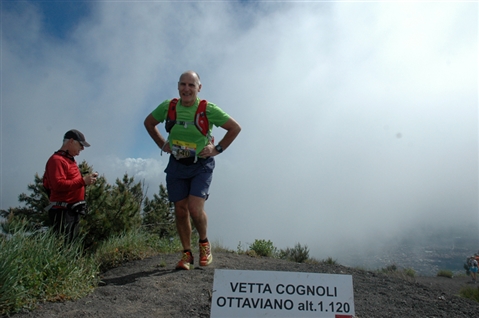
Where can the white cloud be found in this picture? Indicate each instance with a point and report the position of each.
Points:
(357, 118)
(149, 171)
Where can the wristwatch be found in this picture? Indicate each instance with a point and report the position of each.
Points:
(219, 148)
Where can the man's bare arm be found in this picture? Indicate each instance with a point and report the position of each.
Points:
(150, 125)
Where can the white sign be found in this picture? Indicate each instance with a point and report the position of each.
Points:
(239, 293)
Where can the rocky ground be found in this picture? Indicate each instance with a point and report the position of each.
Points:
(152, 288)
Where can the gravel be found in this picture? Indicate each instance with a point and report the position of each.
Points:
(152, 288)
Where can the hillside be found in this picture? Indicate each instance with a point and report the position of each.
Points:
(152, 288)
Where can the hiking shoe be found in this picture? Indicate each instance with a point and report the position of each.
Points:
(186, 262)
(205, 254)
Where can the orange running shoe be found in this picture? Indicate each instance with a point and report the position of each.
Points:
(205, 254)
(186, 261)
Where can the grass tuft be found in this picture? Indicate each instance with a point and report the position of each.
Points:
(330, 261)
(37, 267)
(298, 254)
(445, 273)
(405, 273)
(132, 245)
(263, 248)
(470, 292)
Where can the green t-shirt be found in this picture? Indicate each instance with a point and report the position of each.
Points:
(186, 140)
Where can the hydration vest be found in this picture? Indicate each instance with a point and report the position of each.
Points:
(200, 121)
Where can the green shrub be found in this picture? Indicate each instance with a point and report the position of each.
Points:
(239, 248)
(39, 267)
(251, 253)
(389, 269)
(445, 273)
(130, 246)
(410, 272)
(112, 209)
(470, 292)
(392, 270)
(263, 248)
(330, 261)
(298, 254)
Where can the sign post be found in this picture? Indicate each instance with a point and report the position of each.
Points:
(239, 293)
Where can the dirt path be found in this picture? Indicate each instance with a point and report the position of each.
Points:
(152, 288)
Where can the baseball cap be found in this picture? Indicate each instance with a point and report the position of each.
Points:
(75, 134)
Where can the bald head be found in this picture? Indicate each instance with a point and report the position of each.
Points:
(188, 87)
(191, 73)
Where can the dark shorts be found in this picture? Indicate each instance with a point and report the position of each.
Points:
(184, 180)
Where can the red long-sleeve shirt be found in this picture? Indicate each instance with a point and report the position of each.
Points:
(64, 178)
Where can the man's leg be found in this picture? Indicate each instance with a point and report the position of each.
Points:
(183, 225)
(200, 220)
(72, 225)
(178, 193)
(196, 190)
(56, 217)
(196, 206)
(199, 192)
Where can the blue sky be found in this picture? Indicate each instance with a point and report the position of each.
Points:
(59, 18)
(359, 118)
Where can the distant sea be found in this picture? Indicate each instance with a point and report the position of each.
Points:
(426, 258)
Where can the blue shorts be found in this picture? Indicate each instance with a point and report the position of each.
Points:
(473, 269)
(184, 180)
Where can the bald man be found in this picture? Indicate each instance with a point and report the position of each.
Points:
(189, 122)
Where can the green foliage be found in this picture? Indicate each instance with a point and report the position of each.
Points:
(125, 247)
(31, 217)
(38, 198)
(470, 292)
(298, 254)
(330, 261)
(252, 253)
(239, 248)
(159, 215)
(14, 222)
(445, 273)
(389, 269)
(263, 248)
(411, 272)
(112, 210)
(38, 267)
(406, 273)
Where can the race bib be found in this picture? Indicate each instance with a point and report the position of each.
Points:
(182, 149)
